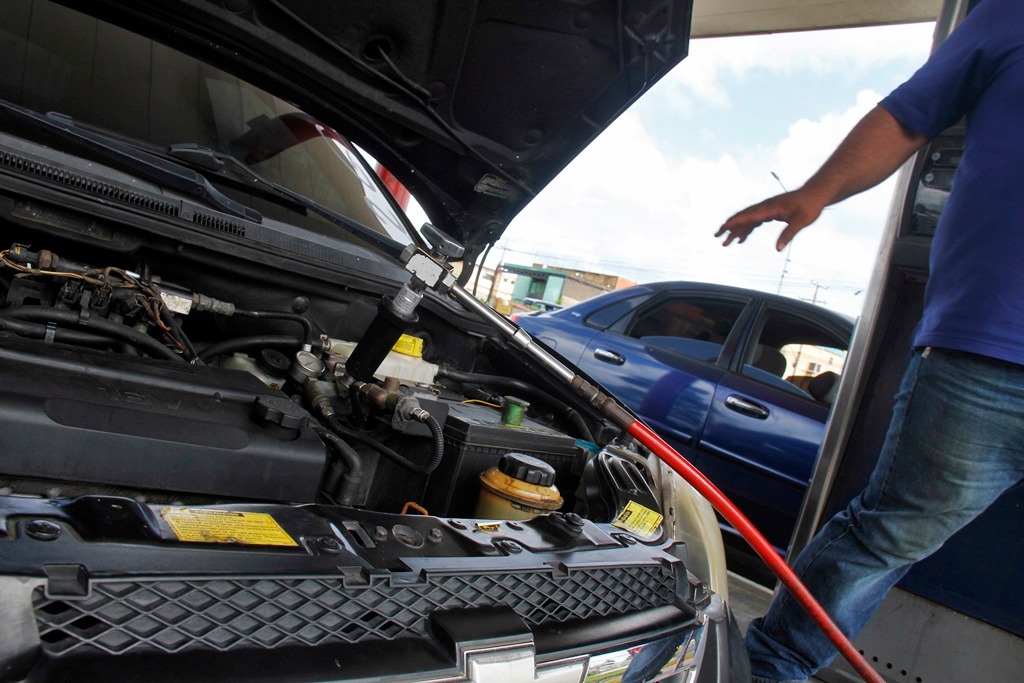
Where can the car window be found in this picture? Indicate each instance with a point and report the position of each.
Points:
(604, 318)
(693, 326)
(797, 354)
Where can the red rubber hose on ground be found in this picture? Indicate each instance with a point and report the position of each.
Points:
(764, 549)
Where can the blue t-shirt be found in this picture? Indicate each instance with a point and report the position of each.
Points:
(974, 300)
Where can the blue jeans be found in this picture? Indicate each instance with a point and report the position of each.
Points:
(955, 443)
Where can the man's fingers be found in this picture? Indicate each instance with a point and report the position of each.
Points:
(790, 231)
(735, 234)
(740, 225)
(794, 209)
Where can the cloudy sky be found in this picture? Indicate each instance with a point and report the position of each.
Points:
(645, 199)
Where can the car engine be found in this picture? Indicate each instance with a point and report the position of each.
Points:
(170, 381)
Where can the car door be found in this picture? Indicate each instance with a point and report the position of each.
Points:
(569, 330)
(768, 415)
(662, 360)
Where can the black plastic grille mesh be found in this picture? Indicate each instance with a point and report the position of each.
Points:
(218, 223)
(171, 616)
(90, 185)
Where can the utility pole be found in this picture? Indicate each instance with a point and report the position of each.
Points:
(817, 287)
(497, 275)
(789, 249)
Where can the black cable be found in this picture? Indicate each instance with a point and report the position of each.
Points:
(561, 409)
(435, 430)
(480, 269)
(353, 476)
(307, 326)
(491, 380)
(439, 120)
(178, 333)
(412, 90)
(399, 459)
(247, 343)
(103, 326)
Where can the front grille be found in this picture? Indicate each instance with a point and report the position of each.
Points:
(224, 614)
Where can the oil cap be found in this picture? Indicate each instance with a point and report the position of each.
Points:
(527, 468)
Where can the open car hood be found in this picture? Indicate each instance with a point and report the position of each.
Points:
(474, 105)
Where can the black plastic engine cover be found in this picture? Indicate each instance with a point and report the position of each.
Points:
(75, 416)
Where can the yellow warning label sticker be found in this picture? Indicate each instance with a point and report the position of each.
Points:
(642, 521)
(199, 525)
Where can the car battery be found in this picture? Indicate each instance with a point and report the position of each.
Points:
(475, 439)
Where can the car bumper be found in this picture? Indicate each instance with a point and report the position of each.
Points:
(113, 593)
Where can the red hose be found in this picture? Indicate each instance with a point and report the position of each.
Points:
(760, 545)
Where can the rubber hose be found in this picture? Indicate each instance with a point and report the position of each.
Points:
(397, 458)
(103, 326)
(577, 421)
(761, 546)
(563, 410)
(246, 343)
(38, 331)
(307, 326)
(353, 469)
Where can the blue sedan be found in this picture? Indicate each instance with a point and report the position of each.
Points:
(739, 381)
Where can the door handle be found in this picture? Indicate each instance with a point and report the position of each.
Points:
(609, 356)
(746, 407)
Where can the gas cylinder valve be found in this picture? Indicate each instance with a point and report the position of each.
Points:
(397, 314)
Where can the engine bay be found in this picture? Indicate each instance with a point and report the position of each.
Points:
(165, 380)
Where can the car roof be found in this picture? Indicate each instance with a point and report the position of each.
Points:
(835, 317)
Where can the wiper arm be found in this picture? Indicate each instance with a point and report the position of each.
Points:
(128, 158)
(218, 161)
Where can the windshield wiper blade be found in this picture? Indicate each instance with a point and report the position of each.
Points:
(213, 160)
(162, 171)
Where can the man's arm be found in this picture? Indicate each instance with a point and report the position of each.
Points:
(873, 150)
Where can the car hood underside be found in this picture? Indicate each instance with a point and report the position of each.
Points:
(475, 106)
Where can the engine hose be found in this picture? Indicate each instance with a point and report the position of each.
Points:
(43, 314)
(309, 336)
(246, 343)
(341, 430)
(561, 409)
(759, 543)
(39, 331)
(344, 487)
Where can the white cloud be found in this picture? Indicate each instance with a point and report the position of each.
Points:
(816, 52)
(624, 207)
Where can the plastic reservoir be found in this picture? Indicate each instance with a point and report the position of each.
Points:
(405, 364)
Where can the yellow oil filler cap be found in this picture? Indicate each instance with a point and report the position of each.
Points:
(519, 487)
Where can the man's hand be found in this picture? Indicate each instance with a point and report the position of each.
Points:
(797, 209)
(873, 150)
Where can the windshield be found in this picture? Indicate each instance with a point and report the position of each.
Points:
(55, 59)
